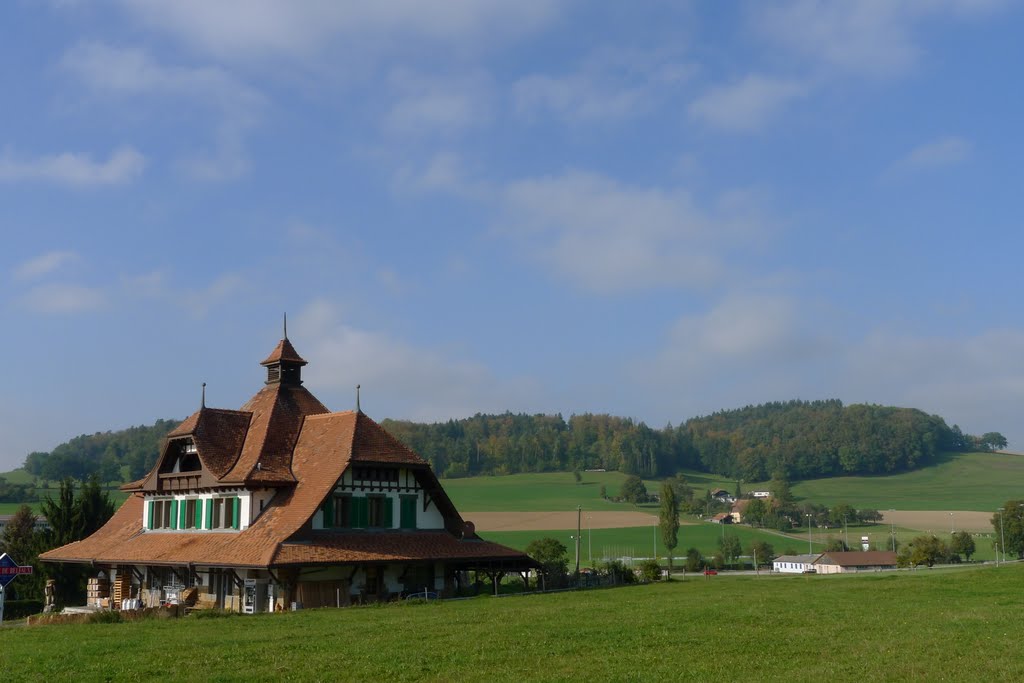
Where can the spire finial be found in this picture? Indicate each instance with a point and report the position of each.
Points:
(358, 409)
(203, 404)
(286, 325)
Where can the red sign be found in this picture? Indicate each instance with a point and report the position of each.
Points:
(11, 571)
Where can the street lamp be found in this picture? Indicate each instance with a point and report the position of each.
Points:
(808, 516)
(952, 526)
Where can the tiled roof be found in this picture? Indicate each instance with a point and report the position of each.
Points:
(375, 444)
(854, 558)
(277, 414)
(284, 351)
(396, 546)
(219, 436)
(328, 443)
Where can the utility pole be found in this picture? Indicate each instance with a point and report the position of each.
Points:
(579, 515)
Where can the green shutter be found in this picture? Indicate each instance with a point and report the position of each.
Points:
(151, 506)
(360, 513)
(389, 513)
(199, 514)
(408, 512)
(236, 521)
(209, 513)
(329, 512)
(174, 514)
(182, 509)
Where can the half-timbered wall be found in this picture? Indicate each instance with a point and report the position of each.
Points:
(398, 486)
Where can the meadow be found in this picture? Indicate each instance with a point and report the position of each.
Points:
(960, 481)
(923, 625)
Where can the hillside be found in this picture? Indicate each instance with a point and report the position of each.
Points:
(795, 439)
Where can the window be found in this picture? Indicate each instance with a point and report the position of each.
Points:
(343, 511)
(379, 512)
(193, 519)
(160, 514)
(225, 513)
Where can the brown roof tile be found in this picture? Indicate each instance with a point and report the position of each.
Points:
(277, 414)
(374, 444)
(396, 546)
(284, 351)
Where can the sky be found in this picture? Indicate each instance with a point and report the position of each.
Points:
(650, 209)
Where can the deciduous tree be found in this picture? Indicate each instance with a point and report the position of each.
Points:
(668, 521)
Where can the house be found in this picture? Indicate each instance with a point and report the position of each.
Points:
(761, 494)
(854, 561)
(722, 518)
(722, 496)
(738, 509)
(795, 564)
(40, 524)
(283, 503)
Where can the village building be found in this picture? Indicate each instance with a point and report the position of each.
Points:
(283, 503)
(795, 564)
(844, 562)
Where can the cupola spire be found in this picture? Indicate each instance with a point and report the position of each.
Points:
(284, 364)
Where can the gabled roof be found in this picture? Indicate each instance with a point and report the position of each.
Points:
(798, 559)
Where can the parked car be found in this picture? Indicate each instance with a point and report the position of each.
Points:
(812, 570)
(710, 572)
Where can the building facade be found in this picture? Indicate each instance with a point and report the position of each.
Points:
(283, 502)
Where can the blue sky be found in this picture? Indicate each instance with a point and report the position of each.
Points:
(653, 209)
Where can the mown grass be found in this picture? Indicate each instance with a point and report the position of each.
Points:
(538, 492)
(960, 481)
(950, 625)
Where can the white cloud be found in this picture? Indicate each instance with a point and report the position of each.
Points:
(63, 298)
(607, 236)
(199, 302)
(247, 29)
(747, 104)
(946, 151)
(609, 85)
(124, 165)
(131, 71)
(428, 104)
(44, 264)
(868, 37)
(417, 383)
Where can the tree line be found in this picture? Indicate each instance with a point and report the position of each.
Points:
(791, 440)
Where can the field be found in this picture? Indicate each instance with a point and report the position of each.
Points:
(924, 625)
(961, 481)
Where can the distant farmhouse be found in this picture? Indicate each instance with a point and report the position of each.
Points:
(284, 503)
(835, 562)
(794, 564)
(855, 561)
(40, 524)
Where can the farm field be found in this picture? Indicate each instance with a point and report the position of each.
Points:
(961, 481)
(924, 625)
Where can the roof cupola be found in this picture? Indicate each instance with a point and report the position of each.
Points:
(284, 364)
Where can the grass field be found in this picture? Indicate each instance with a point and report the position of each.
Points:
(961, 481)
(924, 625)
(530, 492)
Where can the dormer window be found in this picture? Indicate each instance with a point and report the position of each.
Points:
(182, 456)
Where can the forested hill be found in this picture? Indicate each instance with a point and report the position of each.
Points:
(795, 439)
(123, 455)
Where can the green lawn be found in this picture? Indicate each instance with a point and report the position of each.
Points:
(961, 481)
(907, 626)
(537, 492)
(639, 541)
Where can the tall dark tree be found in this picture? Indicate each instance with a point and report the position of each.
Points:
(962, 543)
(1009, 524)
(668, 521)
(633, 490)
(63, 515)
(23, 543)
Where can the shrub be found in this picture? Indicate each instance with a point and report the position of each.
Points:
(650, 570)
(618, 572)
(105, 617)
(17, 609)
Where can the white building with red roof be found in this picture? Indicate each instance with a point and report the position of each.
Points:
(284, 502)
